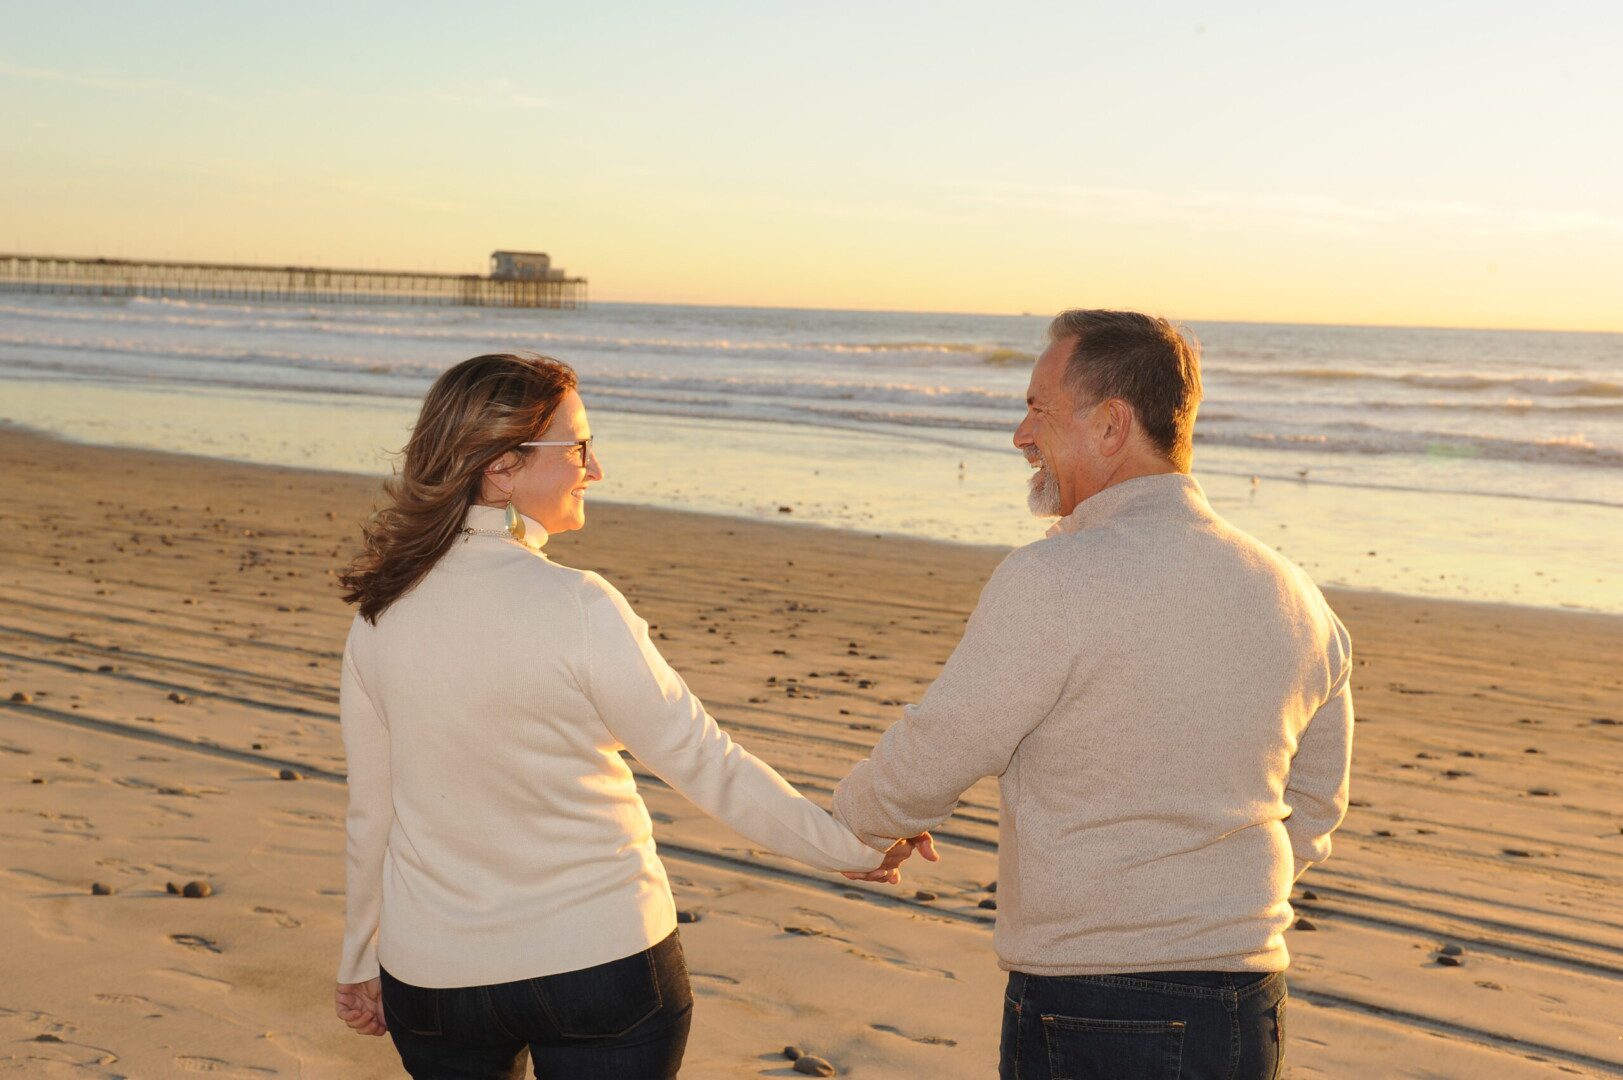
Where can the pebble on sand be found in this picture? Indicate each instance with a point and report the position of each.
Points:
(793, 1052)
(1303, 924)
(812, 1065)
(197, 889)
(101, 889)
(924, 895)
(989, 904)
(1449, 961)
(21, 697)
(1451, 950)
(289, 774)
(171, 888)
(178, 698)
(687, 916)
(1309, 894)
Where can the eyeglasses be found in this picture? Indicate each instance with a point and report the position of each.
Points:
(584, 446)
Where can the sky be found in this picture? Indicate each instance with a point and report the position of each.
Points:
(1437, 164)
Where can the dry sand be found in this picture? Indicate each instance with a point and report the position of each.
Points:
(169, 639)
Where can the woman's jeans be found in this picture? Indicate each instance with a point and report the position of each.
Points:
(624, 1020)
(1168, 1025)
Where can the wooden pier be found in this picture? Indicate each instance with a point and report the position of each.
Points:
(292, 284)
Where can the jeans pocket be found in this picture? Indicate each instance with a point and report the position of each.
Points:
(601, 1002)
(410, 1008)
(1083, 1049)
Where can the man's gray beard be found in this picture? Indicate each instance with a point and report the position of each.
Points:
(1043, 498)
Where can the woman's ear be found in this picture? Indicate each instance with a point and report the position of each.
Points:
(497, 480)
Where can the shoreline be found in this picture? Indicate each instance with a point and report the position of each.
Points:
(171, 639)
(10, 427)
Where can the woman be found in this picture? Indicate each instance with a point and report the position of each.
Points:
(503, 890)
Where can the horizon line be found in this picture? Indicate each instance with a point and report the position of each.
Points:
(1177, 321)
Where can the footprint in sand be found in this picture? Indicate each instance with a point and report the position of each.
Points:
(197, 1063)
(154, 1009)
(902, 964)
(817, 913)
(103, 1057)
(806, 931)
(196, 941)
(283, 919)
(927, 1040)
(710, 976)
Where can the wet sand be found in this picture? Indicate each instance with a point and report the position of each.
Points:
(169, 638)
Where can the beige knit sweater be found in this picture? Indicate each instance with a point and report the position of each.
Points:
(495, 833)
(1165, 701)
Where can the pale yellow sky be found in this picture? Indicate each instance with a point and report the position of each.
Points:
(1391, 168)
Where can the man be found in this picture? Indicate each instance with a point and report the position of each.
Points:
(1165, 701)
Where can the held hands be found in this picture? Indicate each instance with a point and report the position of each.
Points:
(889, 871)
(360, 1005)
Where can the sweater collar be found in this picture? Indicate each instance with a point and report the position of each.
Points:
(1161, 493)
(494, 519)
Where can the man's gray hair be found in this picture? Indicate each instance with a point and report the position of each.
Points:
(1145, 361)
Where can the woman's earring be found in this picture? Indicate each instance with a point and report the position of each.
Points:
(515, 524)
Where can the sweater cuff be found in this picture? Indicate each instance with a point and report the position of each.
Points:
(842, 804)
(361, 968)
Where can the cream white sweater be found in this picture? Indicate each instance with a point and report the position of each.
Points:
(494, 831)
(1165, 700)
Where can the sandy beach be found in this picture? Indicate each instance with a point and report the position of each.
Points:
(169, 642)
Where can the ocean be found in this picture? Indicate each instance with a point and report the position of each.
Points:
(1472, 464)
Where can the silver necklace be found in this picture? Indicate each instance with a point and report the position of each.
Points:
(502, 534)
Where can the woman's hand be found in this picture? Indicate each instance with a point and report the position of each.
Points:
(360, 1005)
(889, 871)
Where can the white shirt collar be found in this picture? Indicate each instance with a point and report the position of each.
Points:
(494, 519)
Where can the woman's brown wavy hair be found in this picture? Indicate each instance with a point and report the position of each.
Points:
(473, 414)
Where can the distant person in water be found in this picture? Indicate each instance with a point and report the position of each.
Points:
(504, 895)
(1165, 701)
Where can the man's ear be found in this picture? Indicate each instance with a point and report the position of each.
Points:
(1118, 427)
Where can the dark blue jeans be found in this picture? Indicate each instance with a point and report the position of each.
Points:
(624, 1020)
(1166, 1025)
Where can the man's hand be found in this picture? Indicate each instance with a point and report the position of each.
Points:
(360, 1005)
(889, 871)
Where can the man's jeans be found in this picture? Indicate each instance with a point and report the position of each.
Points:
(624, 1020)
(1167, 1025)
